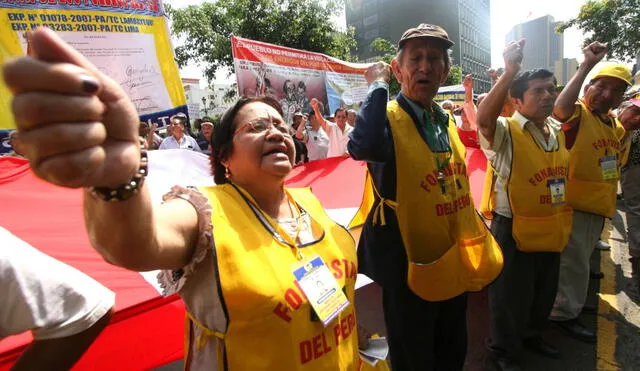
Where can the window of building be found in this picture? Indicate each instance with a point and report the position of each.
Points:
(371, 34)
(372, 19)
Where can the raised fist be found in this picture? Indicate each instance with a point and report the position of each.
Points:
(378, 71)
(76, 125)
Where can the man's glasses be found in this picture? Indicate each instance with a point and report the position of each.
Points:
(262, 125)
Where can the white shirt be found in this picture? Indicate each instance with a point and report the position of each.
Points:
(187, 142)
(317, 142)
(338, 139)
(44, 295)
(501, 154)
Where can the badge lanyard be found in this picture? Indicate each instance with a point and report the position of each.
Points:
(557, 185)
(313, 276)
(440, 165)
(283, 236)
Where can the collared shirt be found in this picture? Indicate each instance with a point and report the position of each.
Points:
(338, 139)
(501, 153)
(381, 253)
(317, 142)
(437, 134)
(187, 142)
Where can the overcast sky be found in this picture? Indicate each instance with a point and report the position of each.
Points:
(504, 15)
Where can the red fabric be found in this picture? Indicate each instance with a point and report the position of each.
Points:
(50, 218)
(147, 330)
(477, 167)
(336, 181)
(469, 138)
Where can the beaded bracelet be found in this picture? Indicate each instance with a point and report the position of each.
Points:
(124, 191)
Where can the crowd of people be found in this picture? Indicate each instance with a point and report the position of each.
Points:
(268, 278)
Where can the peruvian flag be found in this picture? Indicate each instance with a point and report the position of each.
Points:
(147, 329)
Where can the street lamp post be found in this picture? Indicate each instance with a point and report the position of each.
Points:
(204, 105)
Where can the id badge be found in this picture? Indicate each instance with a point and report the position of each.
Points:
(321, 289)
(556, 186)
(609, 167)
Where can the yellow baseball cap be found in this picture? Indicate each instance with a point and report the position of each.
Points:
(619, 71)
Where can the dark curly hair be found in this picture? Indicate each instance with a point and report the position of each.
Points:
(222, 141)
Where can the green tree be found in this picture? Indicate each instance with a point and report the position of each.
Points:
(301, 24)
(387, 51)
(616, 22)
(455, 75)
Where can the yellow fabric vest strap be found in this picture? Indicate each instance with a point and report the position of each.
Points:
(270, 321)
(538, 225)
(448, 247)
(488, 200)
(586, 188)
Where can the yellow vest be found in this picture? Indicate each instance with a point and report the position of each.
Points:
(586, 189)
(537, 224)
(448, 247)
(270, 324)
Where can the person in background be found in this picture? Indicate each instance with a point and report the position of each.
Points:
(412, 235)
(519, 147)
(236, 252)
(151, 139)
(351, 117)
(593, 176)
(16, 150)
(302, 154)
(313, 136)
(338, 132)
(178, 138)
(468, 129)
(629, 116)
(204, 136)
(64, 309)
(447, 105)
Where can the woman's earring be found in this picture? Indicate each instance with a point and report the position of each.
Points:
(227, 173)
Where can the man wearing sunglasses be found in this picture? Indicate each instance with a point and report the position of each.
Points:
(178, 138)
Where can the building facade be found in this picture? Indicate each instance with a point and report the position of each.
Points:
(466, 21)
(206, 102)
(565, 69)
(544, 47)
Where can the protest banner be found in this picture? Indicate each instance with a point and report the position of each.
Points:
(454, 93)
(127, 40)
(294, 77)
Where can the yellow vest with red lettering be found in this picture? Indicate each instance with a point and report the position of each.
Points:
(537, 224)
(586, 188)
(270, 325)
(448, 247)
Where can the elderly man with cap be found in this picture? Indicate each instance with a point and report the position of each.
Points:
(422, 240)
(593, 140)
(629, 116)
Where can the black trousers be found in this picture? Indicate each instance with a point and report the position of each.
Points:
(423, 335)
(520, 300)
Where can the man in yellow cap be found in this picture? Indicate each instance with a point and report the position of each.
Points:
(593, 140)
(629, 116)
(422, 240)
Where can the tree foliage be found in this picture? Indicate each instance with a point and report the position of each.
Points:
(302, 24)
(616, 22)
(387, 51)
(455, 75)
